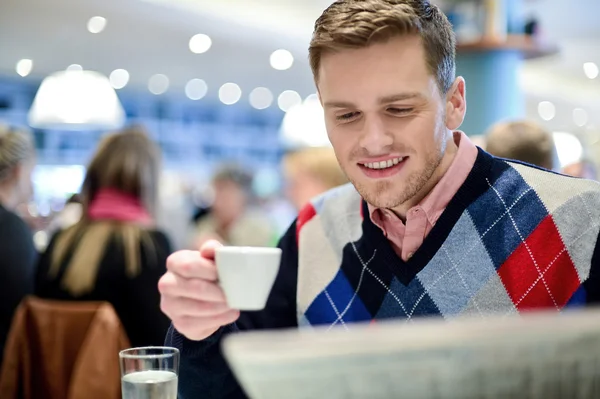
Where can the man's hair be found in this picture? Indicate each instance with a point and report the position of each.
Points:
(352, 24)
(523, 141)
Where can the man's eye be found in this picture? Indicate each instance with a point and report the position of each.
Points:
(347, 116)
(399, 111)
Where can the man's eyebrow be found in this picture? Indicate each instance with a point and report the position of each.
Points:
(338, 104)
(383, 100)
(400, 97)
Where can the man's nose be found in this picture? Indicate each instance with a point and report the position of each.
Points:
(375, 138)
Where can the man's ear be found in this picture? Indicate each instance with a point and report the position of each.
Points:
(456, 104)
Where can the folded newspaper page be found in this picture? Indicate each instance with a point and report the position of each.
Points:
(540, 355)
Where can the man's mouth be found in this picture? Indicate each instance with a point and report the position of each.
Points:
(383, 164)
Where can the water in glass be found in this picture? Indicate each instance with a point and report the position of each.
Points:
(151, 384)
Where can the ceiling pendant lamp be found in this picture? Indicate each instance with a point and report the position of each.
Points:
(76, 100)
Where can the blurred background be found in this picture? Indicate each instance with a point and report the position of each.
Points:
(226, 83)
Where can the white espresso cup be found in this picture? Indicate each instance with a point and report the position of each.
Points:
(246, 275)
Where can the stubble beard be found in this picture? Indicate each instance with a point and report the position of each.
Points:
(383, 194)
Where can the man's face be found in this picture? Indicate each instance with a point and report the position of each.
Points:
(385, 118)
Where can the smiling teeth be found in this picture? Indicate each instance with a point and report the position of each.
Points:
(383, 164)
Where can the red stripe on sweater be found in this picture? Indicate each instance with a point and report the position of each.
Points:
(306, 214)
(558, 280)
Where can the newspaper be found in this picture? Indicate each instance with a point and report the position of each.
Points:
(534, 356)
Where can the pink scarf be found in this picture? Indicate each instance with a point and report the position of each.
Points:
(114, 205)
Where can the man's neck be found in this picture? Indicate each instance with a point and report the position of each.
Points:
(440, 171)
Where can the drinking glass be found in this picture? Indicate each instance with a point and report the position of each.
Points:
(149, 372)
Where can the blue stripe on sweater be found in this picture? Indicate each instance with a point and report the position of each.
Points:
(337, 303)
(504, 214)
(578, 299)
(413, 297)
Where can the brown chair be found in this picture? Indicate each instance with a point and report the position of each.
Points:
(63, 350)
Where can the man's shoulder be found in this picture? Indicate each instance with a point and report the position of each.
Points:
(342, 195)
(554, 180)
(339, 206)
(341, 200)
(556, 189)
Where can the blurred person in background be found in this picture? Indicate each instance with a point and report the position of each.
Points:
(583, 168)
(114, 253)
(310, 172)
(68, 216)
(174, 207)
(479, 140)
(230, 219)
(523, 141)
(17, 251)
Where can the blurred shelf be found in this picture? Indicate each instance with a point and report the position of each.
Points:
(528, 46)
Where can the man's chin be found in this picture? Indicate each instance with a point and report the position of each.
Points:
(381, 197)
(385, 203)
(391, 192)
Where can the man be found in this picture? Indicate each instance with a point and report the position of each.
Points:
(523, 141)
(429, 226)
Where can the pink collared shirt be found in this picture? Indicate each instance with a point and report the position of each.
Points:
(420, 219)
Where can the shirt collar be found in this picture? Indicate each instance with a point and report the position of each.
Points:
(436, 201)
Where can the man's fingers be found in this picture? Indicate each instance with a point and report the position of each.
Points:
(208, 249)
(176, 307)
(194, 326)
(190, 264)
(193, 288)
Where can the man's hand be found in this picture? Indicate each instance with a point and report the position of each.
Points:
(190, 295)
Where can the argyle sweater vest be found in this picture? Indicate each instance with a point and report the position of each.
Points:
(513, 238)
